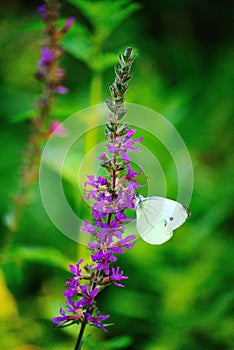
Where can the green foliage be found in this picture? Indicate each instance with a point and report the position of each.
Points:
(43, 255)
(120, 342)
(104, 17)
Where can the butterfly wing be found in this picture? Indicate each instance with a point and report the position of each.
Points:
(174, 213)
(157, 217)
(151, 224)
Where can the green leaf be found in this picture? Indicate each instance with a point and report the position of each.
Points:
(118, 343)
(39, 25)
(44, 255)
(78, 42)
(36, 25)
(19, 117)
(105, 61)
(105, 16)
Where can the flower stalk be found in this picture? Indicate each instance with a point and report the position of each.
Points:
(80, 336)
(52, 77)
(111, 196)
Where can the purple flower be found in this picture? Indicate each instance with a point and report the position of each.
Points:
(104, 156)
(130, 134)
(103, 259)
(100, 188)
(101, 181)
(132, 174)
(107, 205)
(58, 129)
(68, 24)
(74, 308)
(103, 230)
(96, 320)
(73, 283)
(88, 228)
(60, 320)
(76, 270)
(89, 296)
(47, 57)
(42, 11)
(125, 242)
(114, 229)
(120, 145)
(117, 276)
(62, 90)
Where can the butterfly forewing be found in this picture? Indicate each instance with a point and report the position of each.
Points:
(157, 217)
(173, 212)
(151, 224)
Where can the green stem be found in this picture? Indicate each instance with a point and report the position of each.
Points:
(96, 89)
(95, 98)
(79, 339)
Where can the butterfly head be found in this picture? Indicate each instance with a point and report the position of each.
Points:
(139, 200)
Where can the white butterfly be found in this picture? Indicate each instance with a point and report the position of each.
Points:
(157, 217)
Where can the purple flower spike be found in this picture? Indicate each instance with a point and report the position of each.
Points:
(110, 197)
(49, 71)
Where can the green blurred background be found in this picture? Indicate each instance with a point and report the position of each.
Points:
(179, 295)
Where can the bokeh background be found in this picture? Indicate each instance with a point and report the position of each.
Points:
(179, 296)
